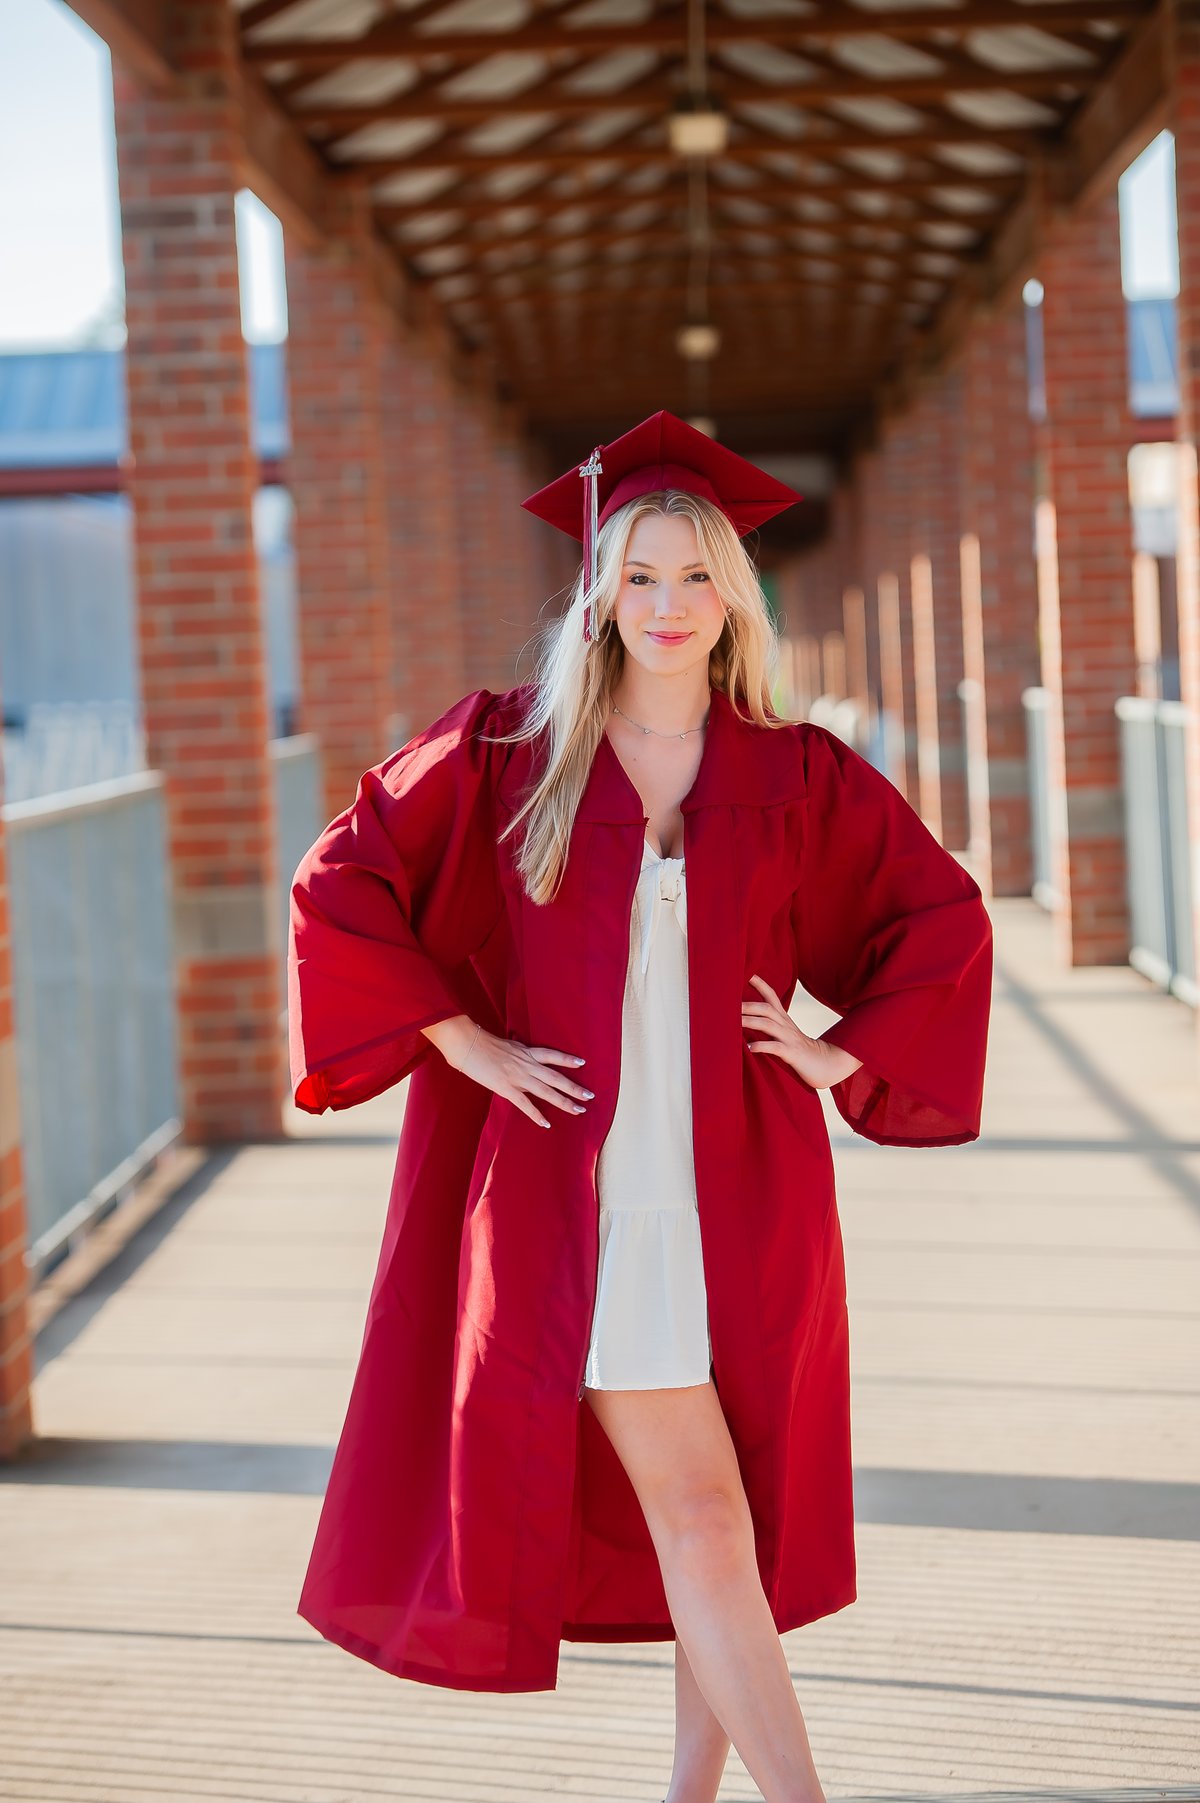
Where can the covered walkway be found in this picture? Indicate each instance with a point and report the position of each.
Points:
(1026, 1341)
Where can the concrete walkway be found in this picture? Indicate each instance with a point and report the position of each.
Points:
(1026, 1345)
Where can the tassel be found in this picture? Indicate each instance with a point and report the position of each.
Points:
(589, 471)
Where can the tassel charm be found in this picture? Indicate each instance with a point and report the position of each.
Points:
(589, 471)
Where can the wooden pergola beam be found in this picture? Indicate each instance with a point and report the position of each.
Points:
(658, 97)
(632, 299)
(1110, 129)
(806, 266)
(675, 224)
(395, 39)
(134, 32)
(936, 135)
(282, 167)
(550, 206)
(1118, 118)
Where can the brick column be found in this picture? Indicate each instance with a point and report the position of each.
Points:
(937, 612)
(901, 483)
(477, 549)
(854, 606)
(1085, 574)
(1185, 123)
(999, 595)
(338, 327)
(556, 556)
(201, 634)
(519, 615)
(16, 1341)
(499, 602)
(426, 622)
(869, 485)
(854, 633)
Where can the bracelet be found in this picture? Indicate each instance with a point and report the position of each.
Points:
(470, 1048)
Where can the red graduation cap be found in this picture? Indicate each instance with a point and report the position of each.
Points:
(662, 452)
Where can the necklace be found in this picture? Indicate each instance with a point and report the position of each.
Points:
(654, 729)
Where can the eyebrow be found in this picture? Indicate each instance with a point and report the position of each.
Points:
(634, 564)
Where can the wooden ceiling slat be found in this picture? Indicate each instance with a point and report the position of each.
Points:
(1023, 141)
(721, 229)
(809, 338)
(536, 276)
(814, 341)
(601, 236)
(644, 295)
(658, 96)
(762, 193)
(396, 39)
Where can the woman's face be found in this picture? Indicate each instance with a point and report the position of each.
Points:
(668, 611)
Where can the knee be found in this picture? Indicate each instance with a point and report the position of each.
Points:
(710, 1526)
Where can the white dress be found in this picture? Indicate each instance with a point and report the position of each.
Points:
(650, 1319)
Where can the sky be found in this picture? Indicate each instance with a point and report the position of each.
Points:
(61, 283)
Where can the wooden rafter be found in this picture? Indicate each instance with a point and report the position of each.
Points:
(574, 311)
(472, 206)
(657, 96)
(601, 238)
(723, 231)
(396, 39)
(748, 147)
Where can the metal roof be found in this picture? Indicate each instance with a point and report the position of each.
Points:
(67, 408)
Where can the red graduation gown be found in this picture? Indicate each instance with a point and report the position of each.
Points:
(476, 1513)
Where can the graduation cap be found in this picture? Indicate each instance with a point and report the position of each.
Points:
(663, 452)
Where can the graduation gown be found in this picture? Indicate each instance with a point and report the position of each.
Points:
(476, 1513)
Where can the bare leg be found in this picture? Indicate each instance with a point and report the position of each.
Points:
(675, 1447)
(701, 1744)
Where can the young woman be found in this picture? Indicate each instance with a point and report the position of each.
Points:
(603, 1389)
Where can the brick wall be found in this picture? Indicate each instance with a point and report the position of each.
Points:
(999, 594)
(1085, 573)
(338, 332)
(937, 609)
(199, 611)
(896, 499)
(426, 631)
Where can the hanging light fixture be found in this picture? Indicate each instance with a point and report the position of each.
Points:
(698, 342)
(697, 125)
(698, 129)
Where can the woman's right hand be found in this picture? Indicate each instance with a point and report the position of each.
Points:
(517, 1071)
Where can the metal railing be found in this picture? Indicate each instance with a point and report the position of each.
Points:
(1044, 802)
(296, 767)
(1156, 837)
(93, 998)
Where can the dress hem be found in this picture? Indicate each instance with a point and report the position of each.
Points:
(577, 1633)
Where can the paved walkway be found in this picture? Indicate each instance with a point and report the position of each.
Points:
(1026, 1344)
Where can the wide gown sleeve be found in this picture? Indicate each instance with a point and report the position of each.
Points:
(892, 933)
(399, 890)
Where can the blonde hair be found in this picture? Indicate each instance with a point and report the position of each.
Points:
(574, 679)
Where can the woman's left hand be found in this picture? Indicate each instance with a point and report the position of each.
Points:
(815, 1060)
